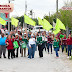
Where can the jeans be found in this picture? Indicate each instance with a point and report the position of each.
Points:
(10, 52)
(63, 48)
(28, 48)
(56, 50)
(49, 45)
(69, 50)
(45, 45)
(2, 50)
(40, 49)
(32, 51)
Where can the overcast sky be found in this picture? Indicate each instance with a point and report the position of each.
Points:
(40, 7)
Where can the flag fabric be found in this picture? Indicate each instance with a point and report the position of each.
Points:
(59, 25)
(46, 25)
(40, 21)
(28, 20)
(61, 36)
(56, 31)
(2, 21)
(14, 21)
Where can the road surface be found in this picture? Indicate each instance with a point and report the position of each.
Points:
(49, 63)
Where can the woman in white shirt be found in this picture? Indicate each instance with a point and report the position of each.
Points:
(32, 46)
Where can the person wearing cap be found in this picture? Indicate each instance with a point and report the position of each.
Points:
(58, 35)
(32, 47)
(56, 46)
(9, 42)
(49, 42)
(25, 42)
(44, 39)
(69, 46)
(17, 38)
(64, 43)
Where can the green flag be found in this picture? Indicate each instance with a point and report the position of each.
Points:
(46, 25)
(28, 20)
(2, 21)
(61, 36)
(40, 22)
(14, 21)
(56, 31)
(59, 25)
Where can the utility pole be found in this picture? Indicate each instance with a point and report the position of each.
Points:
(49, 16)
(56, 8)
(25, 11)
(9, 19)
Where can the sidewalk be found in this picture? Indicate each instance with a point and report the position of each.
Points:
(49, 63)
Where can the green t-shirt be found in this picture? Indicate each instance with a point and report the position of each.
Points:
(25, 40)
(56, 43)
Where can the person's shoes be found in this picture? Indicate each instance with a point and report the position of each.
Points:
(21, 56)
(68, 57)
(4, 56)
(0, 57)
(11, 57)
(8, 58)
(51, 52)
(48, 52)
(24, 56)
(29, 58)
(57, 57)
(16, 56)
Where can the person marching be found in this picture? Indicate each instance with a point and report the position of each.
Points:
(24, 45)
(2, 45)
(9, 43)
(44, 39)
(32, 47)
(69, 46)
(49, 42)
(56, 46)
(40, 44)
(17, 38)
(64, 43)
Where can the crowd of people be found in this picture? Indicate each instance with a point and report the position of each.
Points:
(22, 40)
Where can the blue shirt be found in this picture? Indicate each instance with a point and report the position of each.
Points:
(2, 41)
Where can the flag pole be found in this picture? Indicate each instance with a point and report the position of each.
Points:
(9, 19)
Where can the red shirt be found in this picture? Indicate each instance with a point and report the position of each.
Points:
(49, 40)
(59, 35)
(10, 46)
(69, 41)
(64, 41)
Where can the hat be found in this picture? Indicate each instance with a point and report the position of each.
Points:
(32, 35)
(16, 34)
(24, 33)
(19, 30)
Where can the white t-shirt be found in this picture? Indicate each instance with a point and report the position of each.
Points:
(0, 36)
(31, 41)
